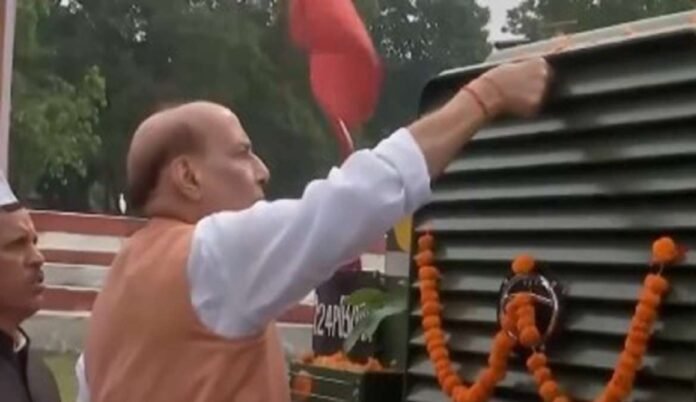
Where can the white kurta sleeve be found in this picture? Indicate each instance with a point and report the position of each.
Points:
(247, 267)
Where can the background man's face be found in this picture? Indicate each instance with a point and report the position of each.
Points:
(21, 277)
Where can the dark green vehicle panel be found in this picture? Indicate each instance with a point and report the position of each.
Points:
(586, 187)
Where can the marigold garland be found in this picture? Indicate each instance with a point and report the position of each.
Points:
(436, 342)
(518, 325)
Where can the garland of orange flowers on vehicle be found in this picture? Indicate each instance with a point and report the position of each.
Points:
(518, 326)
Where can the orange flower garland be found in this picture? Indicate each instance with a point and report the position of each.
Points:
(518, 325)
(436, 342)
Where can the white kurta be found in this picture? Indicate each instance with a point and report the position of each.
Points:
(247, 267)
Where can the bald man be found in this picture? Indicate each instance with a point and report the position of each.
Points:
(187, 311)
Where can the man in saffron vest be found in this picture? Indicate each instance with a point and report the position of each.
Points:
(187, 310)
(24, 377)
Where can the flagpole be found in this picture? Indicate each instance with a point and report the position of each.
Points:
(7, 30)
(345, 140)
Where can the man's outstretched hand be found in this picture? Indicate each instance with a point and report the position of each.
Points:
(516, 88)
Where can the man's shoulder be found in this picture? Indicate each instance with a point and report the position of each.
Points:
(42, 382)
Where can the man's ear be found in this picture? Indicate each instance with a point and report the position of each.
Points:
(186, 177)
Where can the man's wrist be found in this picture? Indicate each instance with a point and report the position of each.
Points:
(468, 102)
(483, 108)
(488, 94)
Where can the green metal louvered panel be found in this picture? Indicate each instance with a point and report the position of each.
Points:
(586, 187)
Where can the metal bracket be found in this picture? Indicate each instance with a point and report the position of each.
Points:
(549, 295)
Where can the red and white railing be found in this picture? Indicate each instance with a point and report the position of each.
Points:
(79, 249)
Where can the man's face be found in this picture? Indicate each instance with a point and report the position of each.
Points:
(233, 176)
(21, 277)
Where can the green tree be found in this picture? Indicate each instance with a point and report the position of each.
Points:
(419, 39)
(238, 53)
(53, 119)
(539, 19)
(160, 51)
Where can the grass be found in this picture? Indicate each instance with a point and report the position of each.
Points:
(63, 367)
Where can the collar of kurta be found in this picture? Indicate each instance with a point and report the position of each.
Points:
(10, 345)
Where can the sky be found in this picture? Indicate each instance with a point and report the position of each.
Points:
(498, 15)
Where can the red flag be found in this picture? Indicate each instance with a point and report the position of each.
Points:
(345, 70)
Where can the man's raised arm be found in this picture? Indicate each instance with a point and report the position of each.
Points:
(247, 267)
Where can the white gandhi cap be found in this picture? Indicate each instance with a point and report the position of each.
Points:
(7, 197)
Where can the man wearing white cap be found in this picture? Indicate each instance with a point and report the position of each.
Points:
(24, 376)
